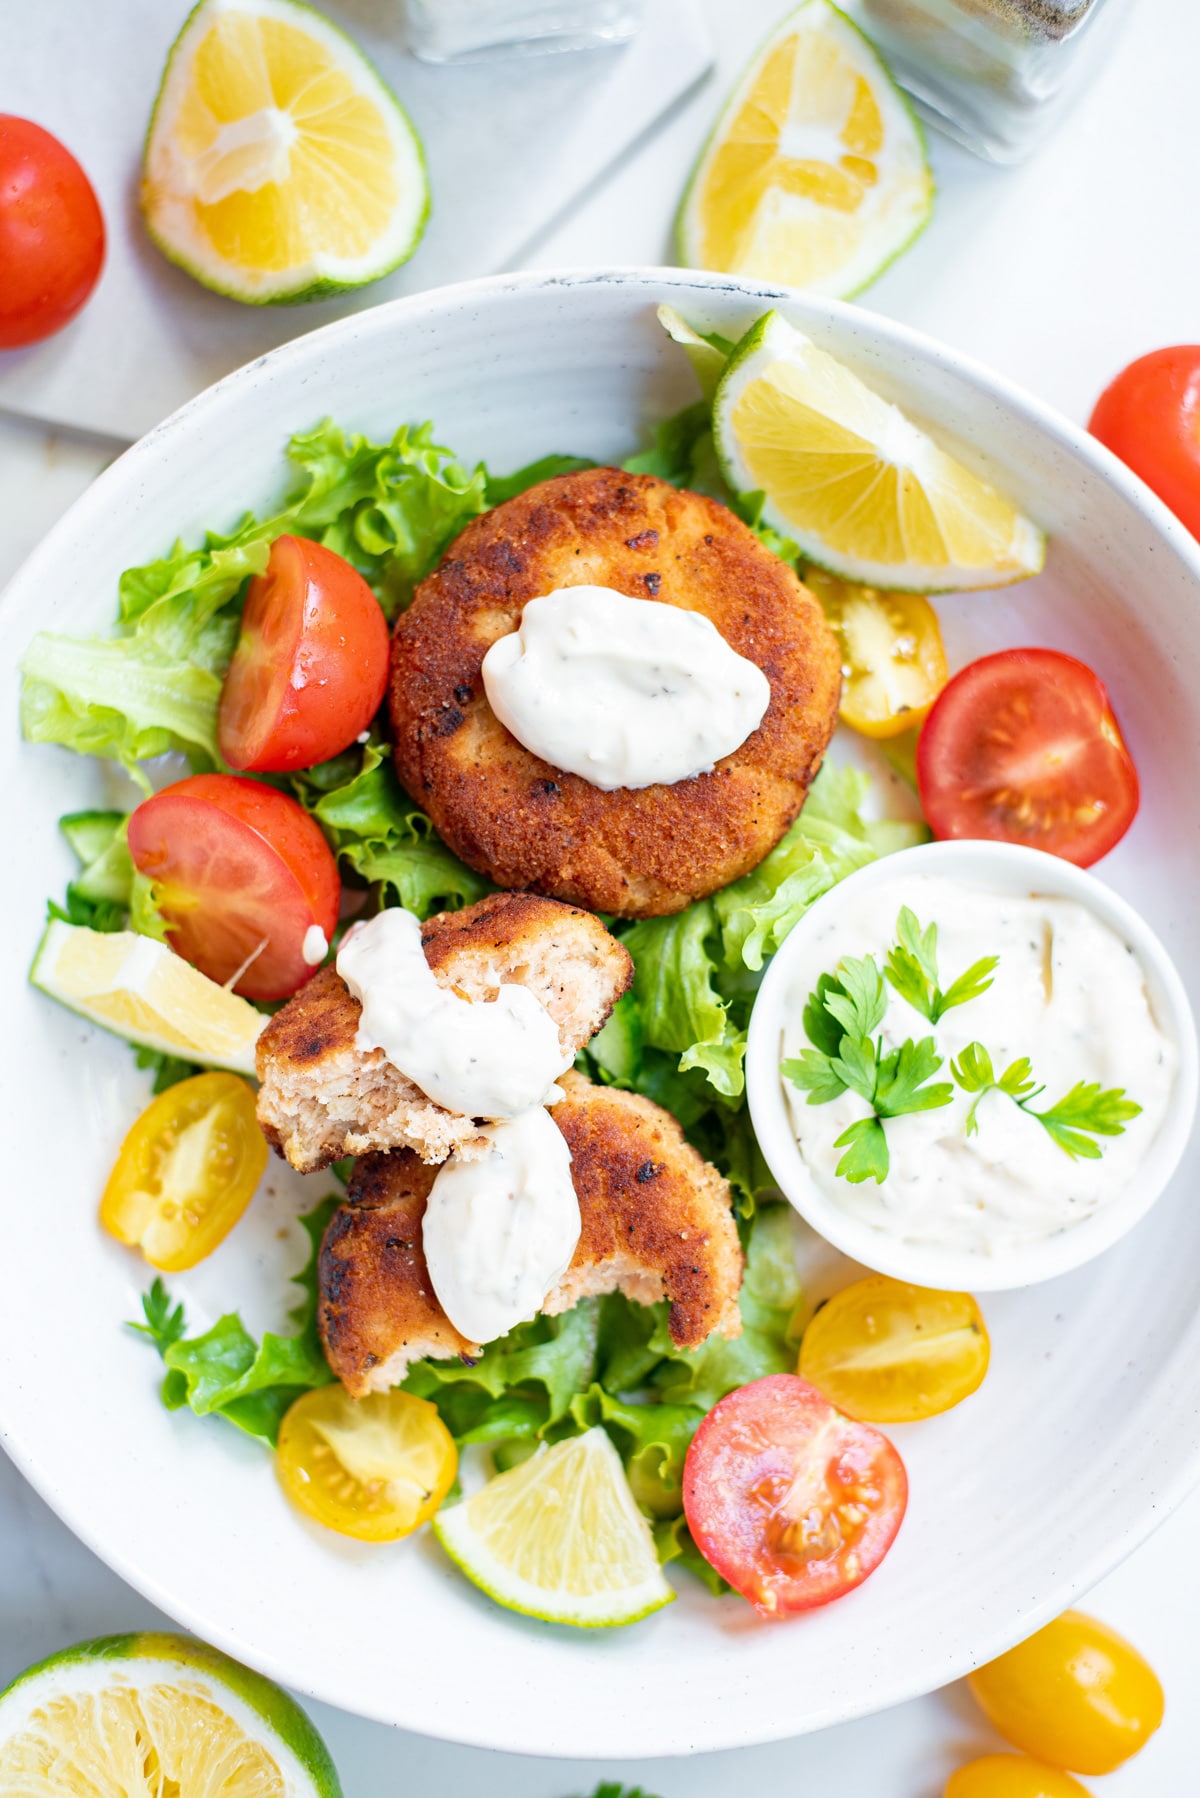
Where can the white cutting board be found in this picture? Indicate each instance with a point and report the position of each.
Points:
(510, 145)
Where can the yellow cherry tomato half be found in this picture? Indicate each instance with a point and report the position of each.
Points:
(1076, 1694)
(1012, 1776)
(886, 1352)
(375, 1467)
(186, 1171)
(893, 662)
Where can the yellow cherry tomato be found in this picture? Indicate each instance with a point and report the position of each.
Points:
(186, 1171)
(1076, 1694)
(893, 662)
(374, 1467)
(886, 1352)
(1012, 1776)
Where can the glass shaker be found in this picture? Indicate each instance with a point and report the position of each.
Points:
(995, 74)
(470, 30)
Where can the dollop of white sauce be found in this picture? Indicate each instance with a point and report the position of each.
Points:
(623, 692)
(315, 946)
(491, 1059)
(1068, 993)
(500, 1232)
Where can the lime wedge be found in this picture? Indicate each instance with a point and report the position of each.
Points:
(560, 1537)
(156, 1714)
(859, 487)
(815, 173)
(141, 990)
(278, 166)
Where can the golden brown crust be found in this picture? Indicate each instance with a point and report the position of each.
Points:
(524, 823)
(657, 1222)
(376, 1300)
(322, 1097)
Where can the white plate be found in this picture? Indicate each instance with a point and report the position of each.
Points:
(1086, 1430)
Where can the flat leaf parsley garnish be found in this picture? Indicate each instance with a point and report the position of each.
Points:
(912, 970)
(840, 1019)
(1073, 1122)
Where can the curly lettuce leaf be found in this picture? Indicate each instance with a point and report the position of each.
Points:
(521, 1385)
(391, 509)
(376, 830)
(829, 840)
(224, 1372)
(696, 973)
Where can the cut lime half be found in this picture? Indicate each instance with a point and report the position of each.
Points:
(143, 1716)
(560, 1537)
(859, 487)
(278, 165)
(815, 174)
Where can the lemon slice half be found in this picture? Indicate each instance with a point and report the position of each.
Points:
(862, 490)
(560, 1537)
(815, 174)
(141, 990)
(153, 1714)
(278, 165)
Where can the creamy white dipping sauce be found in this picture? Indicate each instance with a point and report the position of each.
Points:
(1068, 993)
(500, 1232)
(624, 692)
(493, 1059)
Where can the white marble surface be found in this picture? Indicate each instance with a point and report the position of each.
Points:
(1056, 273)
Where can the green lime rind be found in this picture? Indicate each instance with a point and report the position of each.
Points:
(454, 1542)
(891, 578)
(325, 287)
(686, 250)
(282, 1718)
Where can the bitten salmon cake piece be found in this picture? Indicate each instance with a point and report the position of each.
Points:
(657, 1223)
(322, 1097)
(525, 823)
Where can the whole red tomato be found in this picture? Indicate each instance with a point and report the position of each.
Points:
(1150, 417)
(51, 234)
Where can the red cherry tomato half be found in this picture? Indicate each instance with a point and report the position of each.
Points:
(311, 664)
(1023, 747)
(793, 1503)
(51, 234)
(1150, 417)
(242, 874)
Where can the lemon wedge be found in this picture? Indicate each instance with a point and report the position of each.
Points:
(154, 1714)
(143, 991)
(278, 166)
(560, 1537)
(815, 174)
(862, 490)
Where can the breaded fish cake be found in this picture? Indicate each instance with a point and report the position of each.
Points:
(322, 1097)
(523, 823)
(657, 1222)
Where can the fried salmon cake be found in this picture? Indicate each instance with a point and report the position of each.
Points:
(657, 1222)
(524, 823)
(322, 1097)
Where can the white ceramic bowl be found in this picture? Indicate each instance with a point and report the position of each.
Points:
(1017, 873)
(1086, 1431)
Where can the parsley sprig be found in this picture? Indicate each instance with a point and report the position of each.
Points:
(164, 1323)
(1073, 1122)
(912, 970)
(840, 1020)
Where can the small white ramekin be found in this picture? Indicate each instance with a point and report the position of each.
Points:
(1000, 868)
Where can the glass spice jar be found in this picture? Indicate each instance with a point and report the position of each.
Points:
(472, 30)
(995, 74)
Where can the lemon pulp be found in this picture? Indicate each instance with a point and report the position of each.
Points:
(816, 173)
(278, 164)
